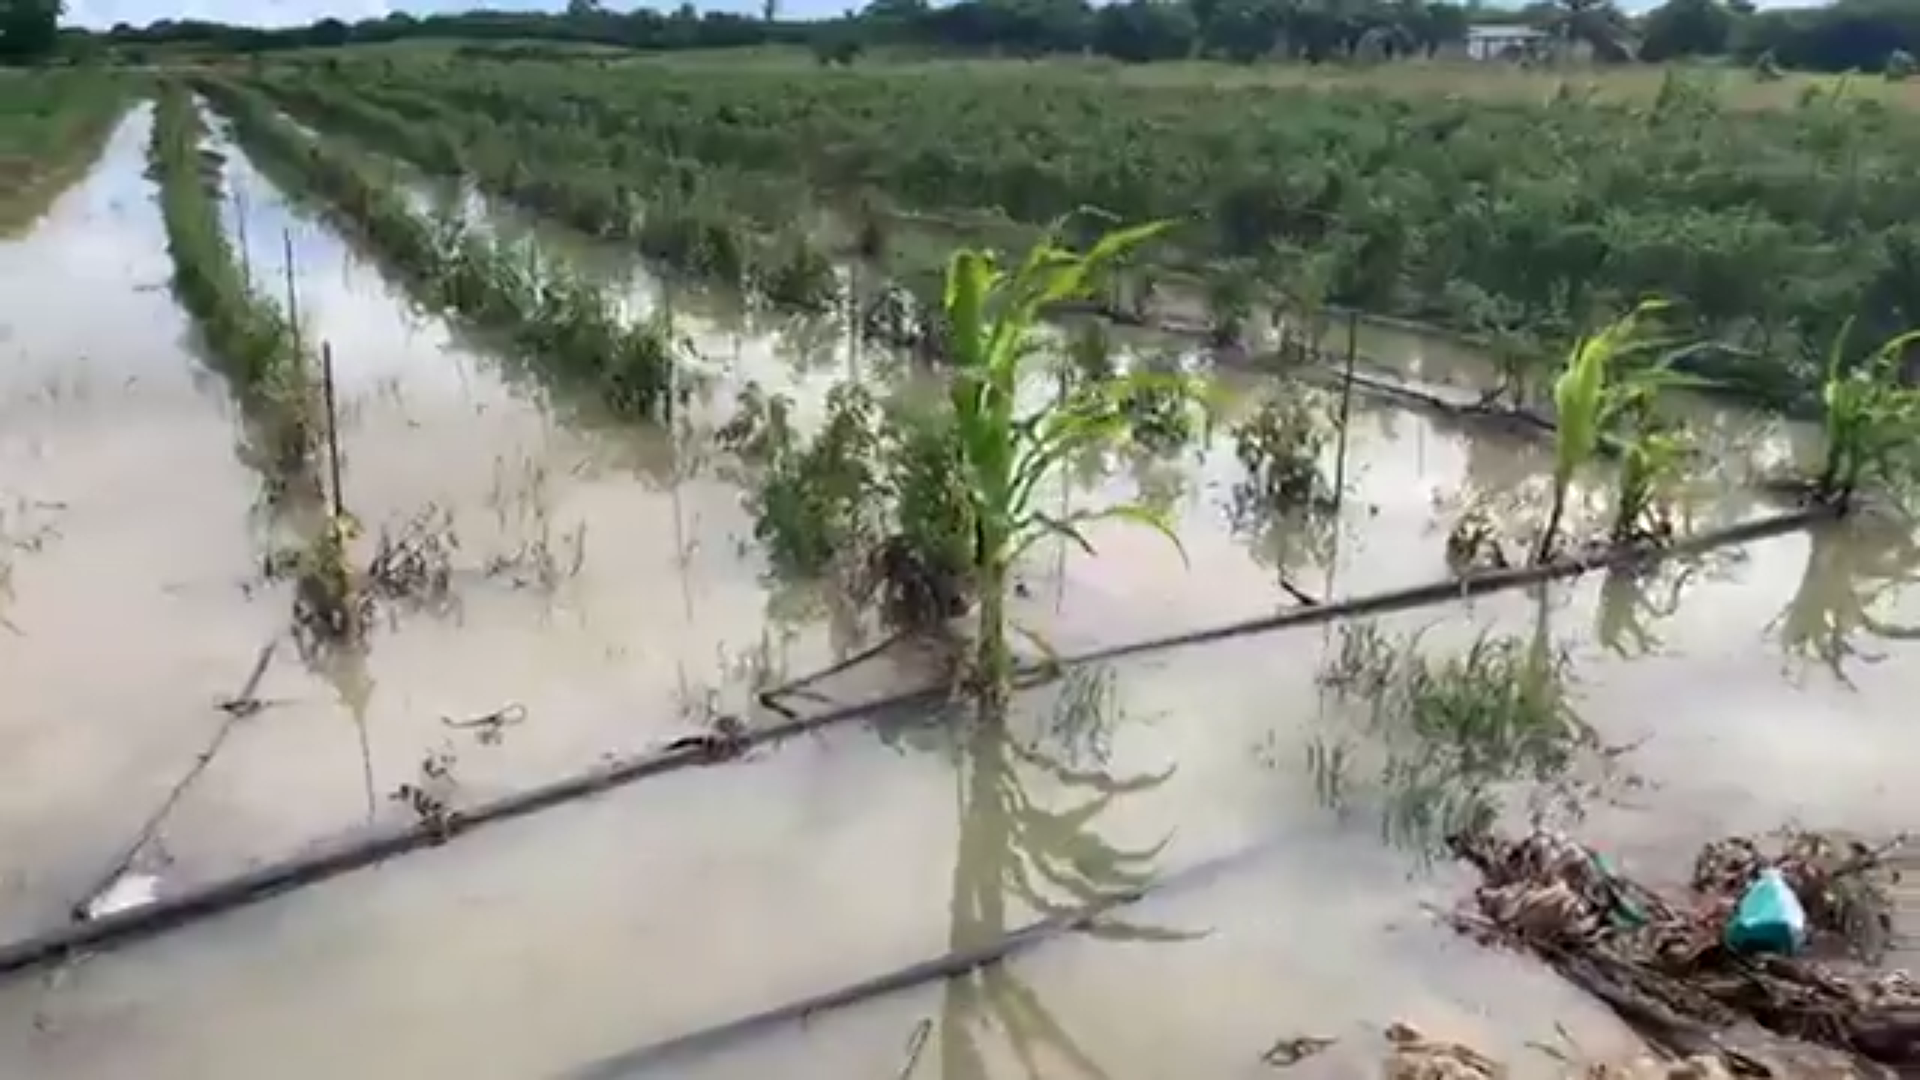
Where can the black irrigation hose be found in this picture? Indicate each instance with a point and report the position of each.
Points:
(356, 852)
(949, 965)
(362, 850)
(237, 708)
(1609, 558)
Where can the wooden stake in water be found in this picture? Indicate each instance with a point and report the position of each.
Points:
(293, 299)
(1346, 409)
(333, 430)
(1340, 447)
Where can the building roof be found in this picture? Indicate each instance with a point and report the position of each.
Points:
(1511, 33)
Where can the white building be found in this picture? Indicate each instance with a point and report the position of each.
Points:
(1495, 42)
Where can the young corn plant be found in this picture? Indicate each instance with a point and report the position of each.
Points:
(1589, 396)
(1871, 422)
(1007, 458)
(1651, 453)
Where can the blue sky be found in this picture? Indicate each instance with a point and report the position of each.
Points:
(104, 13)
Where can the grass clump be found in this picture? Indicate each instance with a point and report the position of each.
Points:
(52, 123)
(1452, 730)
(247, 334)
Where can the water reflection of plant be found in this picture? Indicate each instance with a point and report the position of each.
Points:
(1632, 599)
(1853, 569)
(1017, 849)
(1449, 732)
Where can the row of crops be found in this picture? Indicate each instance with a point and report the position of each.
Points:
(51, 123)
(909, 504)
(1519, 221)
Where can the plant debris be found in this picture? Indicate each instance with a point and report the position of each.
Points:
(1414, 1056)
(489, 728)
(1290, 1052)
(415, 563)
(1662, 967)
(431, 797)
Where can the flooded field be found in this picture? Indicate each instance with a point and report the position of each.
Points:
(640, 916)
(127, 534)
(603, 594)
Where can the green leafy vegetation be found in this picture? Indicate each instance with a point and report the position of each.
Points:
(564, 327)
(246, 333)
(52, 124)
(1603, 394)
(872, 503)
(1870, 420)
(29, 29)
(1851, 35)
(1519, 221)
(1009, 457)
(699, 222)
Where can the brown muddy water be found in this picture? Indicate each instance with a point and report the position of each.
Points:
(128, 532)
(598, 592)
(1756, 687)
(542, 947)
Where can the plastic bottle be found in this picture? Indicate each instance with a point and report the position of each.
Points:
(1768, 919)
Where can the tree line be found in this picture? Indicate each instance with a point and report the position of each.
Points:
(1843, 36)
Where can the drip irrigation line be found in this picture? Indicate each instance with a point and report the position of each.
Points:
(237, 708)
(362, 849)
(949, 965)
(1479, 584)
(770, 697)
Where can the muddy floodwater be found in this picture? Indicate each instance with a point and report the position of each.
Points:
(556, 944)
(604, 596)
(127, 531)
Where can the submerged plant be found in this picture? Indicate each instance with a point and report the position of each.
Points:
(1453, 728)
(1159, 414)
(1281, 446)
(795, 273)
(1229, 294)
(873, 503)
(924, 567)
(1008, 457)
(814, 501)
(1870, 420)
(331, 604)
